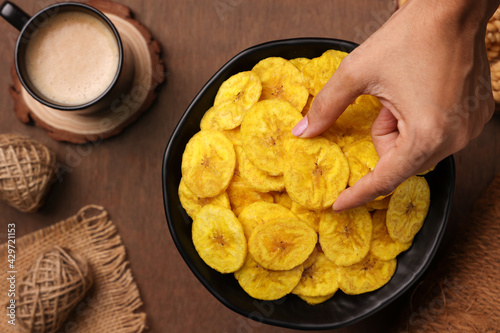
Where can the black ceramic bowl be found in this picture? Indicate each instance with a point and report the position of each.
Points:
(291, 311)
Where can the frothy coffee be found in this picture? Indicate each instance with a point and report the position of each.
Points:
(72, 58)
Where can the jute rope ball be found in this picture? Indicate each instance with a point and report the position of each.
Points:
(53, 286)
(27, 169)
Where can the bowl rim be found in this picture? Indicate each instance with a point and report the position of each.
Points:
(264, 319)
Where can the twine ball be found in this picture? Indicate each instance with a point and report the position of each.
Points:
(27, 169)
(53, 286)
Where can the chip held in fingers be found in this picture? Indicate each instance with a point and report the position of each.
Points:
(316, 171)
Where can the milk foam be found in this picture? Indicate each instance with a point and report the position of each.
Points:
(72, 59)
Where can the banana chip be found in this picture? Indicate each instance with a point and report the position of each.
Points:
(427, 171)
(243, 88)
(226, 116)
(241, 194)
(312, 257)
(344, 137)
(314, 300)
(299, 62)
(307, 107)
(355, 122)
(316, 171)
(368, 275)
(346, 237)
(319, 70)
(408, 208)
(208, 163)
(282, 244)
(320, 279)
(260, 212)
(383, 246)
(219, 239)
(283, 199)
(362, 158)
(257, 178)
(360, 115)
(378, 204)
(308, 216)
(192, 203)
(264, 131)
(264, 284)
(281, 80)
(234, 136)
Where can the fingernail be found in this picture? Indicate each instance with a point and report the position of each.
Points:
(335, 210)
(301, 127)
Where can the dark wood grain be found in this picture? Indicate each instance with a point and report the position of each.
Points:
(123, 173)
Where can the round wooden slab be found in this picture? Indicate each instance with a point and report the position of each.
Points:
(81, 128)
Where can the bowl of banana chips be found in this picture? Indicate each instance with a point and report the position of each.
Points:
(248, 205)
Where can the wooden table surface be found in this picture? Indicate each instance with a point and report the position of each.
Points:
(123, 173)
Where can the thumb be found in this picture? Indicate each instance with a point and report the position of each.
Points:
(340, 91)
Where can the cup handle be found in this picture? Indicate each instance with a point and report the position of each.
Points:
(14, 15)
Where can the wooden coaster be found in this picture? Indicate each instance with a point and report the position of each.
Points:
(81, 128)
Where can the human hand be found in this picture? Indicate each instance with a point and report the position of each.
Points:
(428, 67)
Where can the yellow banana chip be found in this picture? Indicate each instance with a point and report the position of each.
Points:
(383, 246)
(282, 244)
(283, 199)
(281, 80)
(368, 275)
(362, 158)
(320, 279)
(360, 115)
(299, 62)
(225, 116)
(234, 136)
(427, 171)
(346, 237)
(308, 216)
(355, 122)
(319, 70)
(316, 171)
(344, 137)
(208, 163)
(219, 239)
(264, 284)
(378, 204)
(408, 208)
(192, 203)
(241, 194)
(264, 132)
(306, 108)
(257, 178)
(314, 300)
(312, 257)
(243, 88)
(260, 212)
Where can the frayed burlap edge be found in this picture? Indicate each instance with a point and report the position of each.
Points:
(112, 303)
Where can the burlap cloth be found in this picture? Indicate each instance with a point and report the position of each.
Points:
(111, 304)
(462, 294)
